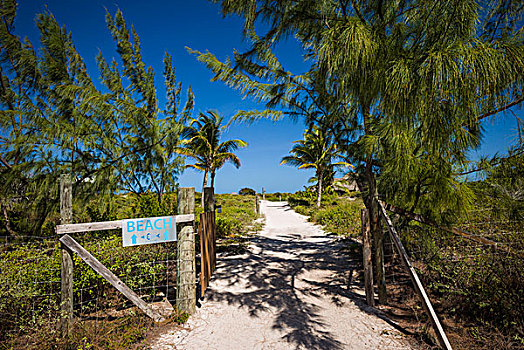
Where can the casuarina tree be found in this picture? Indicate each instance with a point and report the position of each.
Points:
(414, 81)
(54, 119)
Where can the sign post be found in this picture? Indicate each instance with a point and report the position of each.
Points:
(148, 231)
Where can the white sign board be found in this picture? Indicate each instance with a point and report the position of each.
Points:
(148, 230)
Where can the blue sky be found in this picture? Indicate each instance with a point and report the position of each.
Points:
(198, 24)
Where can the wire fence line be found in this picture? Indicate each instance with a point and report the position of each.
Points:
(30, 281)
(476, 282)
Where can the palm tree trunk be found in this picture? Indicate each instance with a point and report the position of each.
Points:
(204, 186)
(320, 175)
(212, 178)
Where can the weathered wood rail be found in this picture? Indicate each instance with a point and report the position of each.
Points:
(110, 277)
(109, 225)
(186, 279)
(207, 232)
(419, 288)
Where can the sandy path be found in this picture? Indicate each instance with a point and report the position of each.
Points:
(292, 290)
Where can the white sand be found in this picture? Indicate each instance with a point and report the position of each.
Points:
(292, 291)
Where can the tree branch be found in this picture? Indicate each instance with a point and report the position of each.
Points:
(7, 221)
(503, 108)
(357, 11)
(4, 162)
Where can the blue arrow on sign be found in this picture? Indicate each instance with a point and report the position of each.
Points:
(148, 230)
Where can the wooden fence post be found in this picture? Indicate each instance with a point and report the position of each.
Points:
(209, 199)
(263, 194)
(366, 258)
(186, 271)
(66, 257)
(257, 205)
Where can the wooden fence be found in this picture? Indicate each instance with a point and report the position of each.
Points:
(417, 284)
(186, 288)
(207, 231)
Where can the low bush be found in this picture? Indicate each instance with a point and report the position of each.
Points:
(342, 219)
(337, 214)
(277, 196)
(30, 279)
(246, 191)
(478, 283)
(237, 216)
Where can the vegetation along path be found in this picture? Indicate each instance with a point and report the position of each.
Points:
(292, 290)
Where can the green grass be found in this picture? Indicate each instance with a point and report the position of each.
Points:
(338, 215)
(235, 223)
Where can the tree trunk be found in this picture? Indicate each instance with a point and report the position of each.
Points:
(371, 203)
(379, 263)
(212, 179)
(7, 221)
(204, 186)
(320, 174)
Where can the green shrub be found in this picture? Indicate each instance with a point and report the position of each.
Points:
(30, 281)
(343, 219)
(29, 285)
(247, 192)
(228, 227)
(336, 214)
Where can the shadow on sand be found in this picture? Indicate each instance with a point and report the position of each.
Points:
(270, 277)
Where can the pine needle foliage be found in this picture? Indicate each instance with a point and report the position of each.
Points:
(53, 119)
(410, 83)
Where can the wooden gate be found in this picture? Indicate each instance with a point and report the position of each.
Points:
(207, 231)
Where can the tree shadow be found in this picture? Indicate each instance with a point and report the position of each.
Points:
(283, 273)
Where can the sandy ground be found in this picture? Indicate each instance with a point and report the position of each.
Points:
(293, 290)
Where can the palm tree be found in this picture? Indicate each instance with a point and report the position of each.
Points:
(203, 145)
(316, 151)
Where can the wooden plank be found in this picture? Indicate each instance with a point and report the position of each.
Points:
(419, 288)
(110, 277)
(186, 274)
(89, 226)
(366, 258)
(110, 225)
(66, 257)
(203, 285)
(214, 242)
(208, 248)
